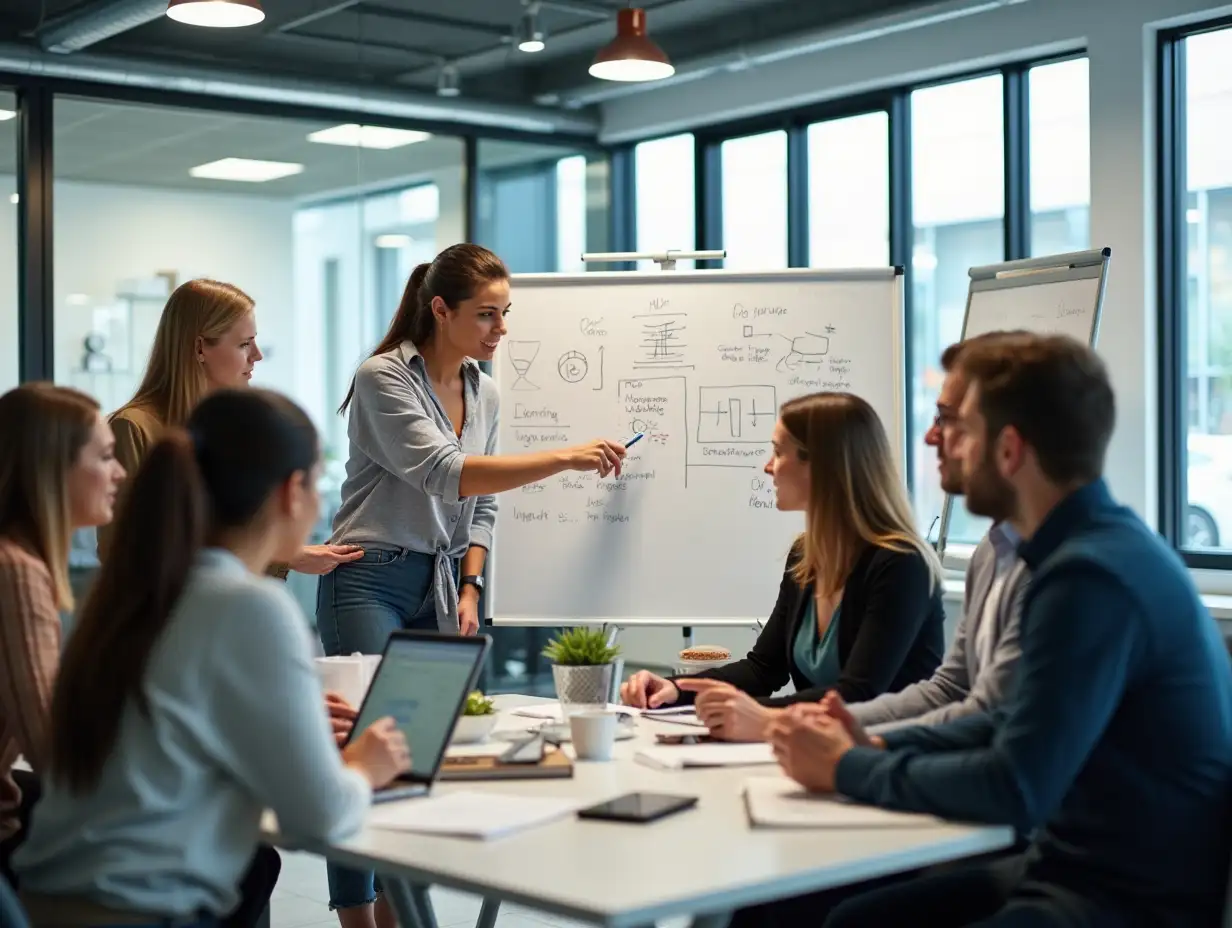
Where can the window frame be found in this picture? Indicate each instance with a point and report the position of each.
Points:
(1171, 140)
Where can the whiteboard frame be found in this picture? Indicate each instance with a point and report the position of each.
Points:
(896, 430)
(1031, 272)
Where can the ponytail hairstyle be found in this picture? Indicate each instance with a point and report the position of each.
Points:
(44, 428)
(455, 275)
(195, 485)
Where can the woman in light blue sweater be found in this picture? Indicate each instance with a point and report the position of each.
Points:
(187, 701)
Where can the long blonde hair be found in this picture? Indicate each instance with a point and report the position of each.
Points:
(174, 381)
(44, 428)
(856, 496)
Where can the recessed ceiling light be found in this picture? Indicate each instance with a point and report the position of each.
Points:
(245, 169)
(7, 114)
(358, 136)
(393, 240)
(218, 14)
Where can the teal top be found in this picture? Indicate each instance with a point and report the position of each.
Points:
(816, 656)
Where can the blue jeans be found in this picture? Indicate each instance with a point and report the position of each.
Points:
(358, 605)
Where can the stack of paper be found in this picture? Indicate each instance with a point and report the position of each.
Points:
(551, 710)
(711, 754)
(778, 802)
(683, 715)
(469, 814)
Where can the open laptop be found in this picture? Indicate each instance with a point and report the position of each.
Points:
(422, 682)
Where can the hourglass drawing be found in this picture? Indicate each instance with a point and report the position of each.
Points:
(522, 355)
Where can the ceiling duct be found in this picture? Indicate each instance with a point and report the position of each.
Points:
(371, 101)
(97, 22)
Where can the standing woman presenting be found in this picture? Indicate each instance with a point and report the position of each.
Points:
(206, 340)
(421, 478)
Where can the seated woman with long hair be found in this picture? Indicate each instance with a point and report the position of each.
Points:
(58, 473)
(859, 607)
(187, 701)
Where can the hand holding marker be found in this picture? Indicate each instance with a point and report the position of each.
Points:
(634, 440)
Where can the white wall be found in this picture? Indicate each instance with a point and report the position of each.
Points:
(1120, 42)
(105, 235)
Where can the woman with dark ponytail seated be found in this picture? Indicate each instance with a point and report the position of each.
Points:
(187, 701)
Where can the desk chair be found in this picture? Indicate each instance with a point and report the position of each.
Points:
(12, 915)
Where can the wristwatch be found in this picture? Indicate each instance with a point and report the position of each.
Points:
(475, 580)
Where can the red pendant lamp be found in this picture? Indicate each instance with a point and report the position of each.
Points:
(631, 56)
(216, 13)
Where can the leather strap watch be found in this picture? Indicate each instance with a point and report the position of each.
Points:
(475, 580)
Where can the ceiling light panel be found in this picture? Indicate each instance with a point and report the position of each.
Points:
(356, 136)
(245, 170)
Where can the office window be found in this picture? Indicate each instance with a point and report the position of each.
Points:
(849, 192)
(146, 199)
(8, 242)
(754, 172)
(1205, 283)
(541, 207)
(1059, 123)
(665, 196)
(958, 204)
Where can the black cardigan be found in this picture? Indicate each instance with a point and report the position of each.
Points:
(891, 633)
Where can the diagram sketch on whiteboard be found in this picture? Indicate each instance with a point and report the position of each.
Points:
(736, 414)
(805, 351)
(522, 355)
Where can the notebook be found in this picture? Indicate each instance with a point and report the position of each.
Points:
(709, 754)
(777, 802)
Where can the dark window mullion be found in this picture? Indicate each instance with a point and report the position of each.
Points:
(623, 183)
(901, 245)
(708, 177)
(1015, 89)
(35, 246)
(1172, 289)
(797, 197)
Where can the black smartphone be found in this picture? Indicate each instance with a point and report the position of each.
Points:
(639, 807)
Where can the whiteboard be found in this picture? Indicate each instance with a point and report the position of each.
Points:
(1054, 295)
(699, 361)
(1058, 295)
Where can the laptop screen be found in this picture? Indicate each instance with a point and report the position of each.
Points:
(421, 683)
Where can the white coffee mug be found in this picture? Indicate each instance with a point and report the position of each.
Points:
(594, 734)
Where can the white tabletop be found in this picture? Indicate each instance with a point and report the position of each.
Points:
(707, 860)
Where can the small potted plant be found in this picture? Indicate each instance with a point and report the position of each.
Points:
(584, 668)
(477, 720)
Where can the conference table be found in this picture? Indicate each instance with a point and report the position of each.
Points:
(704, 863)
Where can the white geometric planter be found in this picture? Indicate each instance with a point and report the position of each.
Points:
(582, 689)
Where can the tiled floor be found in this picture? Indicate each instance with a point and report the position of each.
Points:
(302, 897)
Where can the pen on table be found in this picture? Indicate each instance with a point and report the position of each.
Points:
(634, 440)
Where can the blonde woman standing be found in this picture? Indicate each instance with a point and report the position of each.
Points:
(58, 473)
(206, 341)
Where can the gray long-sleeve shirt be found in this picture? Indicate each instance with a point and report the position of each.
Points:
(404, 470)
(978, 671)
(236, 725)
